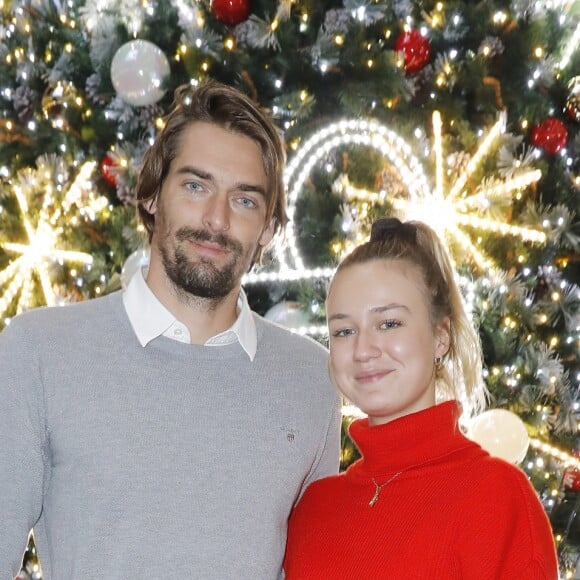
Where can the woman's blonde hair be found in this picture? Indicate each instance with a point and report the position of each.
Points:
(460, 374)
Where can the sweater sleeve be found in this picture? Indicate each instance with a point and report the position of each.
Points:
(21, 445)
(504, 531)
(328, 455)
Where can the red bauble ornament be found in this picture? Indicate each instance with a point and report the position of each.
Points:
(230, 12)
(550, 134)
(415, 48)
(107, 170)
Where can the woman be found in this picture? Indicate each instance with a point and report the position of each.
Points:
(423, 501)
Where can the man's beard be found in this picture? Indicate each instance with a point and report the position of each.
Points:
(201, 278)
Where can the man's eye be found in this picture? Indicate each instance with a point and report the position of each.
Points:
(247, 202)
(193, 186)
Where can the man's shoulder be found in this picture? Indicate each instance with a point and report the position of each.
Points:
(59, 317)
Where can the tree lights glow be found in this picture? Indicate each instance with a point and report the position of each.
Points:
(511, 229)
(43, 227)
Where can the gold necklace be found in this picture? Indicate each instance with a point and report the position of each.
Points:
(378, 488)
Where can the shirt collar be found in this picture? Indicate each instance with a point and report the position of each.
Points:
(150, 319)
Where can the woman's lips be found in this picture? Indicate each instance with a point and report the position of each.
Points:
(371, 376)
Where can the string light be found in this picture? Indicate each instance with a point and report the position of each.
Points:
(437, 145)
(288, 275)
(570, 48)
(566, 459)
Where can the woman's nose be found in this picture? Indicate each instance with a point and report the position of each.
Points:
(365, 347)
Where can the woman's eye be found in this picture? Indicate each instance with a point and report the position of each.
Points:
(343, 332)
(390, 324)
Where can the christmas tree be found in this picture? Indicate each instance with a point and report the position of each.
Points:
(462, 114)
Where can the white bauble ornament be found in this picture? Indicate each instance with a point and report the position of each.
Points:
(288, 314)
(138, 259)
(501, 433)
(139, 71)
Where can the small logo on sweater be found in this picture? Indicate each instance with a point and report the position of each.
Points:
(290, 433)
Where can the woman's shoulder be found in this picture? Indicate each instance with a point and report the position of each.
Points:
(501, 501)
(502, 472)
(502, 485)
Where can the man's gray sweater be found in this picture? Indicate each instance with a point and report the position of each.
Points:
(165, 461)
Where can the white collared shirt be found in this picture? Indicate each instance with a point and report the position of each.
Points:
(150, 319)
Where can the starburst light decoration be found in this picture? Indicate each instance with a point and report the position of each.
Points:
(454, 211)
(43, 227)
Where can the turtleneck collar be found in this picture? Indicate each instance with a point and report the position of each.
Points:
(410, 441)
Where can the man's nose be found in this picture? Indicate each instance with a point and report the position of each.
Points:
(217, 213)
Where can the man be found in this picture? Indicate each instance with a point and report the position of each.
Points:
(167, 429)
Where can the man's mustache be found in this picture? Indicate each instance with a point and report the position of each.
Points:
(186, 234)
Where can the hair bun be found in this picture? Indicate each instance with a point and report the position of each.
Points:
(392, 227)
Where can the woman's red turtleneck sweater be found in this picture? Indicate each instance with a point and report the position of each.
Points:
(452, 512)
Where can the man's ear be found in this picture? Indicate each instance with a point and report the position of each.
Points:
(267, 233)
(151, 205)
(443, 337)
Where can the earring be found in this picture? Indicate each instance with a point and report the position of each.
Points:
(438, 363)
